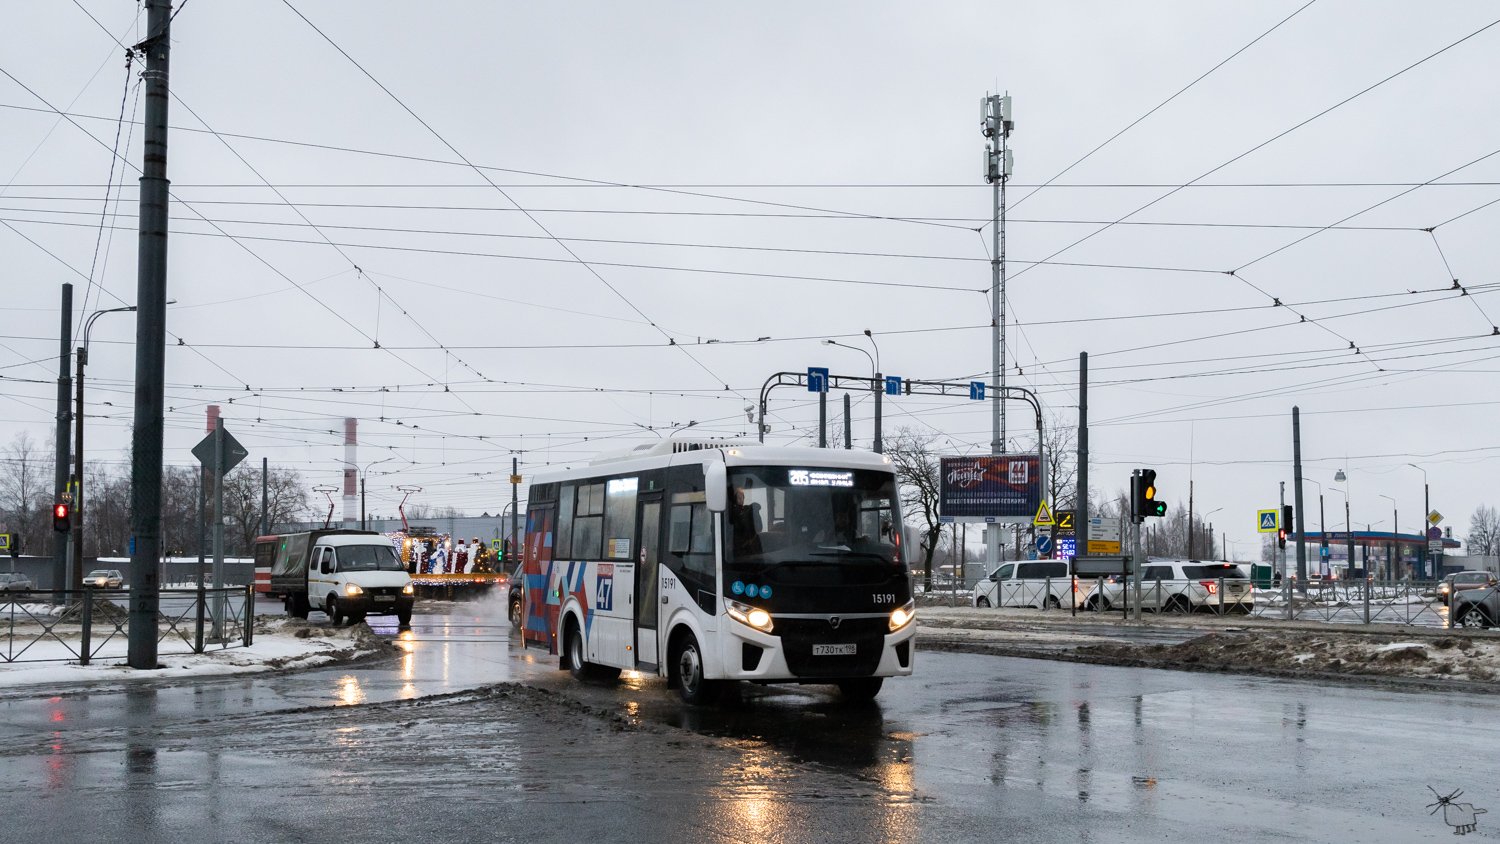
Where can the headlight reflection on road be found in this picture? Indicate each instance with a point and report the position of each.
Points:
(349, 692)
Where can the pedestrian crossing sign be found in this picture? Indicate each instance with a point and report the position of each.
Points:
(1269, 521)
(1043, 516)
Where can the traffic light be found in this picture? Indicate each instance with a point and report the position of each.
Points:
(1286, 525)
(61, 517)
(1145, 495)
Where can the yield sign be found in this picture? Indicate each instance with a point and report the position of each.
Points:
(1043, 516)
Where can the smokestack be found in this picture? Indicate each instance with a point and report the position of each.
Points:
(213, 414)
(351, 481)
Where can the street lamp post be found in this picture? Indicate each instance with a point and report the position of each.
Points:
(1426, 508)
(1322, 534)
(362, 474)
(1393, 560)
(1204, 517)
(1340, 477)
(875, 379)
(75, 576)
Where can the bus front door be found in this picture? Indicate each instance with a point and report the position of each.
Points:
(648, 582)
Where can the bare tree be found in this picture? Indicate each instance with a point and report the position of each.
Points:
(1484, 532)
(1061, 440)
(432, 511)
(919, 475)
(286, 501)
(25, 496)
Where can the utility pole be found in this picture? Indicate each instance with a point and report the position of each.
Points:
(1081, 505)
(996, 121)
(75, 570)
(823, 418)
(64, 441)
(848, 429)
(219, 530)
(265, 499)
(150, 346)
(515, 489)
(1137, 559)
(1300, 516)
(1191, 546)
(362, 521)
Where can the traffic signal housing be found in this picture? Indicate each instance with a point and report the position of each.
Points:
(1286, 525)
(62, 517)
(1146, 501)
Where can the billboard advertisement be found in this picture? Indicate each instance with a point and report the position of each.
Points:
(991, 488)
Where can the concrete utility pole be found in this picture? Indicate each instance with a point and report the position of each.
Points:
(848, 429)
(515, 487)
(1281, 549)
(1081, 505)
(64, 440)
(997, 125)
(265, 499)
(150, 346)
(1299, 516)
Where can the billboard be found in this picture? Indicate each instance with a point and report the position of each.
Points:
(990, 488)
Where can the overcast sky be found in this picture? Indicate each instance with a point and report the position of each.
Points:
(789, 171)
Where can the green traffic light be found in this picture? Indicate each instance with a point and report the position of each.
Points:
(1158, 508)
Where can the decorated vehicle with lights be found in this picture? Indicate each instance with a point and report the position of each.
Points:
(348, 574)
(708, 562)
(447, 568)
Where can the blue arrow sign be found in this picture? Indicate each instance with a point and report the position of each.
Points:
(817, 379)
(976, 390)
(1043, 544)
(893, 385)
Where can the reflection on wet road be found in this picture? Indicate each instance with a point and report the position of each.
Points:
(970, 748)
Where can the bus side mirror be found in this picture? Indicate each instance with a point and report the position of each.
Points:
(716, 486)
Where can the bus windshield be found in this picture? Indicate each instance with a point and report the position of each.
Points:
(780, 514)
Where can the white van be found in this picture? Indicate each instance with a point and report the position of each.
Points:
(1025, 584)
(346, 574)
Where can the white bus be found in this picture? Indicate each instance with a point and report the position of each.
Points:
(709, 562)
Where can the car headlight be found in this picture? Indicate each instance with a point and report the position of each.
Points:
(903, 616)
(100, 581)
(351, 589)
(408, 589)
(750, 616)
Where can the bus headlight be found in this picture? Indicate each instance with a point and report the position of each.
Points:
(408, 589)
(351, 589)
(750, 616)
(903, 616)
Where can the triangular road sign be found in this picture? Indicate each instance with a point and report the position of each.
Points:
(1043, 516)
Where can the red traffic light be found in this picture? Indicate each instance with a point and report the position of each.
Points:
(60, 511)
(60, 517)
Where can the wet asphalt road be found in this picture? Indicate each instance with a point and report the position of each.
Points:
(972, 748)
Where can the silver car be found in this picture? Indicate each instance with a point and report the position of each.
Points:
(104, 579)
(15, 582)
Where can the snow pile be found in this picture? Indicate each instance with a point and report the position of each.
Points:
(280, 644)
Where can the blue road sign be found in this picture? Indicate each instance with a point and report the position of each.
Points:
(976, 390)
(1323, 551)
(893, 385)
(1044, 544)
(817, 379)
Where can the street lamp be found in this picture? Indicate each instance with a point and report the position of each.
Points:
(1393, 561)
(362, 475)
(1348, 529)
(877, 382)
(75, 578)
(1426, 508)
(1322, 534)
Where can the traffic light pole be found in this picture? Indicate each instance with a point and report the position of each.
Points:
(64, 442)
(1300, 514)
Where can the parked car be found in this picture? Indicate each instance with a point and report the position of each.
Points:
(105, 578)
(1462, 581)
(1176, 586)
(15, 582)
(1025, 585)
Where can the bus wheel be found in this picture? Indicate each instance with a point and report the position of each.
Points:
(515, 613)
(688, 665)
(583, 669)
(860, 689)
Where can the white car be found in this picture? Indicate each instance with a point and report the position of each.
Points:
(1176, 586)
(104, 579)
(1025, 584)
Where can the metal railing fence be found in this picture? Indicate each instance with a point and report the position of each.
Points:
(91, 623)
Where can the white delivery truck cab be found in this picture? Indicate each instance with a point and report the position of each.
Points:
(348, 574)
